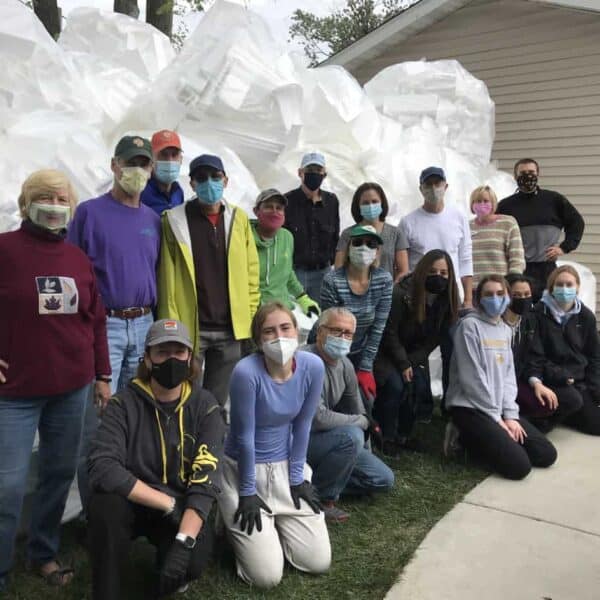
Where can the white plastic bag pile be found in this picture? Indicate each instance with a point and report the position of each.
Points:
(232, 91)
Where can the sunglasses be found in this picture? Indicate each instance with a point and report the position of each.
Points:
(369, 242)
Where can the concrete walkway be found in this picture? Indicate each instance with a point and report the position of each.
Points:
(537, 539)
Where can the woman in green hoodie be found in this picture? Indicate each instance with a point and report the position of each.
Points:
(275, 247)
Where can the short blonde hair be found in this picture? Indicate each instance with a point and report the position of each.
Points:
(476, 194)
(42, 182)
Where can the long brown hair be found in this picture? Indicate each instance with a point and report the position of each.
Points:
(360, 190)
(419, 293)
(261, 316)
(486, 279)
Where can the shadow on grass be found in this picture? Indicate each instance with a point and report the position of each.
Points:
(369, 551)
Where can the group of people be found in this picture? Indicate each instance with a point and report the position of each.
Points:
(152, 344)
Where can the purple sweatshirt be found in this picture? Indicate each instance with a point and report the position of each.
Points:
(123, 244)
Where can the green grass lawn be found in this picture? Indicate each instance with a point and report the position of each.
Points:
(369, 551)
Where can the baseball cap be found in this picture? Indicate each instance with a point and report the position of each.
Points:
(165, 139)
(313, 158)
(432, 172)
(267, 195)
(168, 330)
(133, 145)
(363, 230)
(206, 160)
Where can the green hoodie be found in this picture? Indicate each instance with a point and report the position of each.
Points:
(277, 278)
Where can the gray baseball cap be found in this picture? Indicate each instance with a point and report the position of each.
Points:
(168, 330)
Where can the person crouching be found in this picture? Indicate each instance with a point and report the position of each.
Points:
(153, 467)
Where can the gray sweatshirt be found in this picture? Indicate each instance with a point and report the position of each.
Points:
(340, 404)
(482, 371)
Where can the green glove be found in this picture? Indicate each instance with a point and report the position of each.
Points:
(308, 305)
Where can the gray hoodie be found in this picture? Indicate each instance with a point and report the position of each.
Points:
(482, 371)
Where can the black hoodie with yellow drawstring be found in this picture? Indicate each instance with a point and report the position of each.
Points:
(178, 453)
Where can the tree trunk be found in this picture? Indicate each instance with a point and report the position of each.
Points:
(160, 14)
(49, 14)
(127, 7)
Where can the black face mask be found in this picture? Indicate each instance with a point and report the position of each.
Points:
(313, 181)
(436, 284)
(170, 373)
(521, 305)
(527, 182)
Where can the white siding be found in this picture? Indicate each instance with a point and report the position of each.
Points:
(542, 67)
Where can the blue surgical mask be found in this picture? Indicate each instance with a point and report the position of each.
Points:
(167, 171)
(370, 212)
(210, 191)
(494, 306)
(337, 347)
(564, 295)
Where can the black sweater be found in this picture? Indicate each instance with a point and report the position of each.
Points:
(558, 353)
(523, 335)
(138, 439)
(405, 342)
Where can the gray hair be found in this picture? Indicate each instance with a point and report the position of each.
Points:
(338, 311)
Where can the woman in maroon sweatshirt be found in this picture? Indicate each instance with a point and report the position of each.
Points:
(52, 345)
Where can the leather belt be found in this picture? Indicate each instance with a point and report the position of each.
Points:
(129, 313)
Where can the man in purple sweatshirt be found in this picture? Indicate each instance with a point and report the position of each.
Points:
(121, 236)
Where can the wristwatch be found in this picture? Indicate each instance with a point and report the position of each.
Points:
(188, 541)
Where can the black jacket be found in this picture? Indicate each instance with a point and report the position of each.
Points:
(405, 342)
(561, 352)
(137, 439)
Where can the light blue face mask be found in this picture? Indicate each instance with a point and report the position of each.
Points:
(564, 295)
(494, 306)
(337, 347)
(167, 171)
(370, 212)
(210, 191)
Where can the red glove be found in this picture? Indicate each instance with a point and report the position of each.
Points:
(367, 383)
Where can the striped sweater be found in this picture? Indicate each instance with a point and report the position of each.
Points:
(371, 310)
(497, 248)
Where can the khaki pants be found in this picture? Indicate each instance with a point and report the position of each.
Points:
(299, 535)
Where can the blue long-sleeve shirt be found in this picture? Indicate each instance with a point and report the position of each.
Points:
(371, 310)
(270, 421)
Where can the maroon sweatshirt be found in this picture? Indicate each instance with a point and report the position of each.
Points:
(52, 320)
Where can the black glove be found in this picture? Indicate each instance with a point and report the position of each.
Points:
(374, 432)
(174, 517)
(173, 572)
(306, 492)
(249, 511)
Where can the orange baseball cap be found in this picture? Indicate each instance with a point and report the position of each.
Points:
(165, 139)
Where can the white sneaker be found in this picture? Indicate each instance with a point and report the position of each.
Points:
(451, 443)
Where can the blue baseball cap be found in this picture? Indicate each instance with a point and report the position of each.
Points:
(312, 158)
(206, 160)
(432, 172)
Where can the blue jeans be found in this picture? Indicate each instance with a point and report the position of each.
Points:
(126, 339)
(395, 410)
(311, 281)
(341, 464)
(59, 420)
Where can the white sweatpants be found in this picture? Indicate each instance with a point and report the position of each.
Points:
(299, 535)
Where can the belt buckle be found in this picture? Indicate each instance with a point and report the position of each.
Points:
(132, 313)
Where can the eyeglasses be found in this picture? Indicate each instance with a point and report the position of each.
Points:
(337, 332)
(369, 242)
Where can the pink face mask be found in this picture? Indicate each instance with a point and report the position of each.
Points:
(271, 220)
(482, 209)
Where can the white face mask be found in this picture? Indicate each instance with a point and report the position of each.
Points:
(362, 256)
(434, 195)
(53, 217)
(280, 350)
(134, 179)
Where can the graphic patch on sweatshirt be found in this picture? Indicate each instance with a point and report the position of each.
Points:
(57, 295)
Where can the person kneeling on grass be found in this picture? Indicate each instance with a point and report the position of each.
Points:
(483, 389)
(336, 450)
(154, 466)
(269, 507)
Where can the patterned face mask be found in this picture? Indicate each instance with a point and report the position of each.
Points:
(527, 182)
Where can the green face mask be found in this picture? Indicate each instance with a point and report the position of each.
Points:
(133, 180)
(53, 217)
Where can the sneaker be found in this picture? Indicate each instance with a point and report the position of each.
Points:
(183, 589)
(333, 513)
(451, 442)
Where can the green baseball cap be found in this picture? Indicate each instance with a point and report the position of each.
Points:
(133, 145)
(364, 230)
